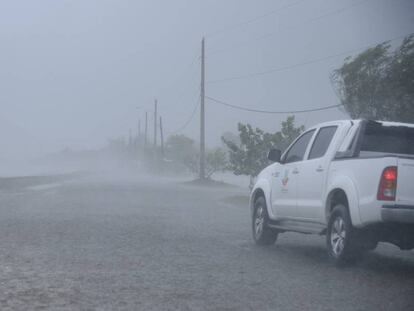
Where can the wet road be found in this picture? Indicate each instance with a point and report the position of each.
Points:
(164, 245)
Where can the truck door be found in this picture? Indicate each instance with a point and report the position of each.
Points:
(285, 178)
(313, 174)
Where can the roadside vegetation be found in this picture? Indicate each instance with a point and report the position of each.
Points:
(379, 83)
(247, 155)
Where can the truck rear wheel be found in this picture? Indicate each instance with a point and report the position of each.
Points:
(341, 237)
(262, 234)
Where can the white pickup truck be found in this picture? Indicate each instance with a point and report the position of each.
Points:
(352, 181)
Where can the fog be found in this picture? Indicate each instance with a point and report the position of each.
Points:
(76, 73)
(111, 197)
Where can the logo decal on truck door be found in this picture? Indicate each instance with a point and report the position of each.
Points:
(285, 179)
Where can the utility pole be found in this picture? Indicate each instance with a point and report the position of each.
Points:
(155, 123)
(162, 138)
(138, 141)
(202, 116)
(146, 129)
(139, 128)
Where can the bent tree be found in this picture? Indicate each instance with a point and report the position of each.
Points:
(379, 82)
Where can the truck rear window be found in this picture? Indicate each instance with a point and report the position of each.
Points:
(388, 139)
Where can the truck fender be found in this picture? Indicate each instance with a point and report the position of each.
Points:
(346, 185)
(264, 186)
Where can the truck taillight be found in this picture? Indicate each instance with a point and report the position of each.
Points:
(388, 185)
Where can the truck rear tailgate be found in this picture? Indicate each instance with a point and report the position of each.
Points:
(405, 182)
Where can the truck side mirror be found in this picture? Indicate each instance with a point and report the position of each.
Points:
(274, 155)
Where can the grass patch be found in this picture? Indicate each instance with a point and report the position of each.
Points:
(239, 200)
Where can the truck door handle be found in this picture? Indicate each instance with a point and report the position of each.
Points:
(319, 169)
(295, 171)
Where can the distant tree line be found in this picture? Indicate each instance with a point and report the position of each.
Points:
(184, 153)
(248, 155)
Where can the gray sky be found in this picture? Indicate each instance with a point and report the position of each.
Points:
(73, 72)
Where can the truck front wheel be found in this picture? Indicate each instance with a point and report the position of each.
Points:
(262, 234)
(341, 237)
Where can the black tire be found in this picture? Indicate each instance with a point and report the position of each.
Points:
(341, 238)
(262, 234)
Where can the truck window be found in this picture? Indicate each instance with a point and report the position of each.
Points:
(322, 142)
(298, 149)
(388, 139)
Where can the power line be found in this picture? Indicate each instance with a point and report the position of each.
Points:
(284, 68)
(253, 20)
(183, 72)
(270, 111)
(271, 34)
(183, 92)
(304, 63)
(192, 115)
(181, 96)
